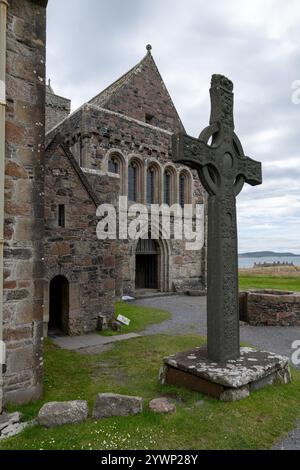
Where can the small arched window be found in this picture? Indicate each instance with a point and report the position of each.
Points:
(132, 182)
(170, 186)
(150, 185)
(153, 183)
(167, 188)
(113, 165)
(116, 165)
(184, 188)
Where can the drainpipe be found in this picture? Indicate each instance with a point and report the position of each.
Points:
(3, 20)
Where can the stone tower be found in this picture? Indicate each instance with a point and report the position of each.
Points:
(24, 203)
(57, 108)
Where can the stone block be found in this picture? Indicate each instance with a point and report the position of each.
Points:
(59, 413)
(162, 405)
(112, 404)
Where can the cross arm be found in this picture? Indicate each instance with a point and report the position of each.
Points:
(190, 151)
(251, 170)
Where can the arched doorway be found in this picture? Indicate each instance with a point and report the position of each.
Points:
(146, 264)
(59, 305)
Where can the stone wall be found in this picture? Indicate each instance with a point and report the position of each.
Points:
(270, 307)
(74, 251)
(24, 204)
(57, 109)
(142, 94)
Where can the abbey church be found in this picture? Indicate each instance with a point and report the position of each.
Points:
(59, 168)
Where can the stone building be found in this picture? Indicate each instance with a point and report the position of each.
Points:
(125, 132)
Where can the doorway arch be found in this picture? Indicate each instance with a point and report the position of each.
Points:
(146, 264)
(59, 305)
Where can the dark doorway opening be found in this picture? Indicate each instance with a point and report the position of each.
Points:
(59, 305)
(146, 266)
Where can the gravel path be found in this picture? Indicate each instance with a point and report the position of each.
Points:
(189, 317)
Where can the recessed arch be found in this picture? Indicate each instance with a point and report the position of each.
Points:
(170, 195)
(162, 250)
(185, 188)
(136, 184)
(153, 189)
(116, 164)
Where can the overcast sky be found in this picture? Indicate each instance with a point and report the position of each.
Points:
(255, 43)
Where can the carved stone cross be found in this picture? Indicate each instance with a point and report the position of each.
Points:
(223, 169)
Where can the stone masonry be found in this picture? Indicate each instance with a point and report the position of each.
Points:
(270, 307)
(73, 251)
(24, 203)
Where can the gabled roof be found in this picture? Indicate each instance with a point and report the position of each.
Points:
(104, 96)
(140, 92)
(52, 147)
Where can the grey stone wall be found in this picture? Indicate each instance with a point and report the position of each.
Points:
(24, 203)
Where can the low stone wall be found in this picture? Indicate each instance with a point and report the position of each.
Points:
(270, 307)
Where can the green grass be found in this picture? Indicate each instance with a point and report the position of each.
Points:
(269, 282)
(139, 317)
(131, 367)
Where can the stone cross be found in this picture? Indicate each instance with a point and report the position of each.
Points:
(223, 169)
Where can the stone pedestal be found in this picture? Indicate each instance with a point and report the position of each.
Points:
(228, 381)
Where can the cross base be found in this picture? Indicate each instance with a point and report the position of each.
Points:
(229, 381)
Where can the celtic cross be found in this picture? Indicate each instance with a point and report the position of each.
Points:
(223, 169)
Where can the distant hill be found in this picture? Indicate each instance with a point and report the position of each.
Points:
(263, 254)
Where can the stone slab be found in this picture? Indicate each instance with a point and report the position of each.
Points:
(250, 366)
(228, 381)
(113, 404)
(74, 343)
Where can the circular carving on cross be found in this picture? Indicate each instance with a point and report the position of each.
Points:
(149, 47)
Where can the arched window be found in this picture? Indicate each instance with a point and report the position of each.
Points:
(136, 180)
(167, 188)
(153, 183)
(184, 188)
(114, 165)
(170, 192)
(132, 182)
(150, 185)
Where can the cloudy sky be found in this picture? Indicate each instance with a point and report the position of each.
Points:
(256, 44)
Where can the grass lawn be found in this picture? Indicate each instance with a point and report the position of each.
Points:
(139, 318)
(131, 367)
(269, 282)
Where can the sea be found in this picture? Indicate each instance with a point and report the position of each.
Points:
(249, 262)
